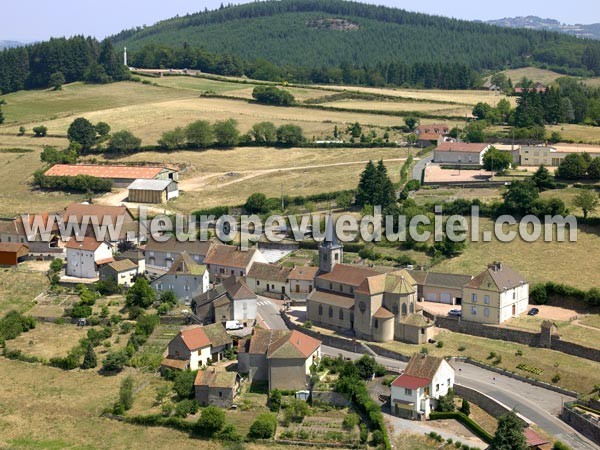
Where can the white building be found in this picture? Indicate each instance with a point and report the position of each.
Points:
(190, 349)
(460, 153)
(416, 392)
(84, 258)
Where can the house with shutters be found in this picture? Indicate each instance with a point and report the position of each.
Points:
(190, 349)
(159, 256)
(86, 256)
(415, 393)
(185, 278)
(269, 279)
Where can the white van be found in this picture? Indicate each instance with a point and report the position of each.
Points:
(231, 325)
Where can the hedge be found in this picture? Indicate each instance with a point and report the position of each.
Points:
(542, 292)
(156, 420)
(79, 183)
(466, 421)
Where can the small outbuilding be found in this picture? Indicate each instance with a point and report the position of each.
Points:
(152, 191)
(216, 388)
(12, 253)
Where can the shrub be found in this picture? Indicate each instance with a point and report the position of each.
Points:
(558, 445)
(186, 407)
(465, 407)
(350, 421)
(275, 400)
(364, 433)
(377, 438)
(13, 324)
(184, 384)
(40, 131)
(115, 361)
(263, 427)
(126, 393)
(211, 421)
(439, 344)
(556, 378)
(230, 434)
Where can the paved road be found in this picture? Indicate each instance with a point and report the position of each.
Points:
(419, 167)
(268, 311)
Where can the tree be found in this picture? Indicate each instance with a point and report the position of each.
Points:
(124, 142)
(355, 130)
(2, 102)
(126, 393)
(102, 129)
(90, 360)
(482, 110)
(543, 179)
(200, 134)
(385, 193)
(366, 367)
(141, 294)
(500, 80)
(593, 169)
(226, 133)
(365, 193)
(270, 95)
(572, 167)
(96, 74)
(275, 400)
(183, 384)
(256, 203)
(520, 197)
(56, 265)
(168, 297)
(173, 139)
(57, 79)
(497, 161)
(446, 402)
(411, 122)
(587, 201)
(40, 131)
(83, 132)
(22, 129)
(115, 361)
(263, 427)
(465, 407)
(509, 435)
(264, 133)
(211, 421)
(289, 135)
(504, 109)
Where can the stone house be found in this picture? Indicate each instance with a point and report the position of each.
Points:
(415, 393)
(216, 388)
(185, 278)
(269, 279)
(161, 255)
(301, 281)
(190, 349)
(224, 261)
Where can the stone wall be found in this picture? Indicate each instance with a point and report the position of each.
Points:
(385, 353)
(588, 427)
(486, 403)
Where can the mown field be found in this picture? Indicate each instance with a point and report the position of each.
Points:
(18, 289)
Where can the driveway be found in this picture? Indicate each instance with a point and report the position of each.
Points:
(419, 167)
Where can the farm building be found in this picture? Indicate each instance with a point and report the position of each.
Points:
(121, 176)
(152, 191)
(552, 156)
(460, 153)
(11, 253)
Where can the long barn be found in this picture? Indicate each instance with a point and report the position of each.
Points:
(121, 176)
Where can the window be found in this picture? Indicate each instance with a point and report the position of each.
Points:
(422, 330)
(341, 315)
(220, 394)
(331, 286)
(330, 312)
(395, 310)
(320, 310)
(486, 312)
(257, 283)
(437, 388)
(337, 257)
(403, 309)
(376, 324)
(474, 298)
(486, 299)
(407, 391)
(514, 294)
(352, 290)
(473, 310)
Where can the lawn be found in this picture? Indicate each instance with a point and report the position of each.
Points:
(575, 373)
(18, 289)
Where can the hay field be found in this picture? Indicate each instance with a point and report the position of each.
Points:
(561, 262)
(577, 133)
(13, 296)
(421, 107)
(543, 76)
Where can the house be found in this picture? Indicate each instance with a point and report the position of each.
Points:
(283, 358)
(152, 191)
(538, 88)
(85, 256)
(230, 300)
(120, 175)
(415, 393)
(160, 255)
(224, 261)
(301, 281)
(186, 279)
(428, 134)
(137, 256)
(220, 341)
(495, 295)
(460, 153)
(43, 242)
(190, 349)
(216, 388)
(12, 253)
(122, 272)
(269, 279)
(362, 301)
(439, 287)
(89, 219)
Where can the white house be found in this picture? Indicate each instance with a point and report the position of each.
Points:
(460, 153)
(85, 257)
(122, 272)
(185, 279)
(190, 349)
(415, 393)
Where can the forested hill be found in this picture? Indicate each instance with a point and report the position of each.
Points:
(326, 33)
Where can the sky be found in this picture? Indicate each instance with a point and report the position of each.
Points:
(31, 20)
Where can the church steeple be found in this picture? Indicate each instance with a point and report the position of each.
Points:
(330, 249)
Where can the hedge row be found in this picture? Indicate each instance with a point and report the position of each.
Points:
(79, 183)
(540, 293)
(156, 420)
(466, 421)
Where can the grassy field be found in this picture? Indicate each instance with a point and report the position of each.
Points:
(421, 107)
(537, 261)
(18, 289)
(48, 340)
(577, 133)
(543, 76)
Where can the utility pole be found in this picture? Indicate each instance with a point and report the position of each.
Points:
(282, 199)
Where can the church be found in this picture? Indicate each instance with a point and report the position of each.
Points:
(371, 305)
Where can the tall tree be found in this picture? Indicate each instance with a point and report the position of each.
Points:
(509, 435)
(90, 360)
(587, 201)
(226, 133)
(386, 193)
(140, 294)
(83, 132)
(367, 187)
(200, 134)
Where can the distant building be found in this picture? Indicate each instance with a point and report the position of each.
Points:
(122, 272)
(433, 133)
(161, 255)
(537, 87)
(460, 153)
(551, 156)
(16, 231)
(495, 295)
(214, 387)
(12, 253)
(185, 279)
(85, 257)
(152, 191)
(224, 261)
(416, 392)
(120, 175)
(93, 216)
(268, 279)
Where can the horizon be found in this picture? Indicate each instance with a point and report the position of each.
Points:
(62, 18)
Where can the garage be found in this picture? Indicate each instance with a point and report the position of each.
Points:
(152, 191)
(12, 253)
(445, 297)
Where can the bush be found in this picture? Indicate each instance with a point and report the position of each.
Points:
(40, 131)
(377, 438)
(184, 384)
(211, 421)
(79, 183)
(126, 393)
(13, 324)
(465, 407)
(271, 95)
(350, 421)
(115, 361)
(229, 434)
(186, 407)
(275, 400)
(263, 427)
(439, 344)
(558, 445)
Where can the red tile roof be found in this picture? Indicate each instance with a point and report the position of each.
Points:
(13, 247)
(195, 338)
(88, 243)
(461, 147)
(104, 171)
(533, 438)
(411, 382)
(293, 346)
(78, 210)
(350, 275)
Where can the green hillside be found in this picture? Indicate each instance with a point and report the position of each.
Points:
(326, 33)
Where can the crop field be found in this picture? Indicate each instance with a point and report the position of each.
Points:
(421, 107)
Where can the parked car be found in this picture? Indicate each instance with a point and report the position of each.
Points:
(455, 313)
(232, 325)
(533, 312)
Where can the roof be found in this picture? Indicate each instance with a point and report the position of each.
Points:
(411, 382)
(19, 227)
(270, 272)
(435, 128)
(13, 247)
(383, 313)
(78, 210)
(303, 273)
(329, 298)
(180, 364)
(417, 320)
(347, 274)
(123, 265)
(185, 265)
(423, 366)
(429, 136)
(229, 256)
(175, 246)
(533, 439)
(294, 345)
(150, 185)
(438, 279)
(330, 240)
(194, 338)
(497, 277)
(262, 339)
(462, 147)
(217, 335)
(89, 244)
(399, 282)
(216, 379)
(105, 171)
(237, 289)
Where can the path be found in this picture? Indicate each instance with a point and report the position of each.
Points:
(417, 171)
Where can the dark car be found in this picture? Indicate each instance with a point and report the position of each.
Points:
(533, 312)
(455, 313)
